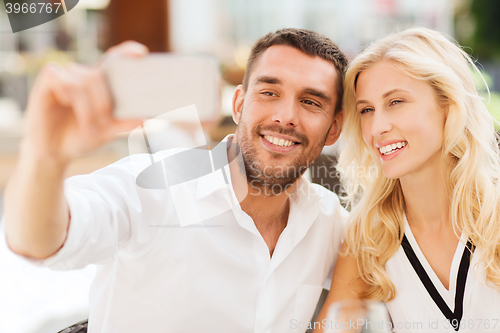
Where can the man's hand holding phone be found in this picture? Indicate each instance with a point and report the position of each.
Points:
(70, 110)
(69, 113)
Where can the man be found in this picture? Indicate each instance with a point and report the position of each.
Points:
(258, 266)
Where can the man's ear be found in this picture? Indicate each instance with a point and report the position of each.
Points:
(238, 98)
(334, 133)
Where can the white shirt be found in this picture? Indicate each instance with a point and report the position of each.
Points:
(413, 309)
(188, 259)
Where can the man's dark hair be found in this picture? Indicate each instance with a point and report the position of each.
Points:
(307, 41)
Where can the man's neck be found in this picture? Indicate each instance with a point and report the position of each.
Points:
(269, 213)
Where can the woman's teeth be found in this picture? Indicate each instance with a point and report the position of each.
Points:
(278, 142)
(392, 148)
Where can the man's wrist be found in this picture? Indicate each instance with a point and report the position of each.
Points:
(30, 154)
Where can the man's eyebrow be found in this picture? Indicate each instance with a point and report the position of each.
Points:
(310, 91)
(390, 92)
(318, 93)
(267, 79)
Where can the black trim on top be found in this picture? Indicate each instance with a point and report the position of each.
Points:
(456, 316)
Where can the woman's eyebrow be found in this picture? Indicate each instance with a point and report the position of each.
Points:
(390, 92)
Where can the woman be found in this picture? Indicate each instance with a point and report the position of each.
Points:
(421, 167)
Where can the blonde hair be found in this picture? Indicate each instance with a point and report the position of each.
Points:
(375, 231)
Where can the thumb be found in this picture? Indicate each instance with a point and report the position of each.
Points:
(124, 126)
(128, 49)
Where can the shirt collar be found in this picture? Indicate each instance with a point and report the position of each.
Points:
(220, 178)
(302, 195)
(304, 201)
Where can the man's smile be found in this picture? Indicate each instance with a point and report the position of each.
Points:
(279, 141)
(278, 145)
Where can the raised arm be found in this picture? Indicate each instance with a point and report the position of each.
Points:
(69, 114)
(346, 284)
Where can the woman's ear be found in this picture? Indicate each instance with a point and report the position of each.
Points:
(238, 99)
(335, 129)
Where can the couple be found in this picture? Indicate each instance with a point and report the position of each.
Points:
(420, 165)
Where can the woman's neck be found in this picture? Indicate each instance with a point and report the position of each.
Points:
(427, 198)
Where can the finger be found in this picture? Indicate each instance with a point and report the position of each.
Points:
(87, 119)
(63, 87)
(91, 101)
(130, 49)
(122, 126)
(79, 82)
(99, 96)
(50, 87)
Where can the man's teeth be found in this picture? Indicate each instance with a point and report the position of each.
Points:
(389, 149)
(278, 142)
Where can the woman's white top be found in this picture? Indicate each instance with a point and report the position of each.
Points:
(414, 310)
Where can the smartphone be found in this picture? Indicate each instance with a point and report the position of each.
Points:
(152, 86)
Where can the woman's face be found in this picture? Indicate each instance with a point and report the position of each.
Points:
(400, 121)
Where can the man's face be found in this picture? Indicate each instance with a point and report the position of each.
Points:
(285, 117)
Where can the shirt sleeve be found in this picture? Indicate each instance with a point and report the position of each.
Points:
(108, 213)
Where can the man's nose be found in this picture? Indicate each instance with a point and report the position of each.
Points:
(381, 122)
(287, 113)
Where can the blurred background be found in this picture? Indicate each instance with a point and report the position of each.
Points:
(39, 300)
